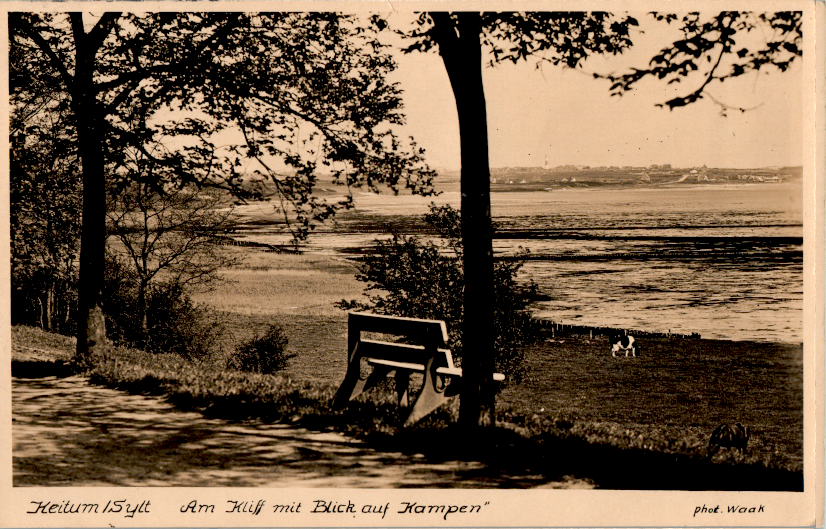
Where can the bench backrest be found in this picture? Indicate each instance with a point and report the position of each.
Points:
(428, 336)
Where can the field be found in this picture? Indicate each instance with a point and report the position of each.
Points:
(673, 395)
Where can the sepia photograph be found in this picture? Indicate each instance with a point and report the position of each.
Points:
(379, 264)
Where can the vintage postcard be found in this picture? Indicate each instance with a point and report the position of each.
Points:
(412, 264)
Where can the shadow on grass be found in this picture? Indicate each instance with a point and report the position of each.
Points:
(41, 368)
(612, 467)
(509, 454)
(522, 460)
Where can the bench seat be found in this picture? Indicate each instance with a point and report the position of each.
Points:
(419, 368)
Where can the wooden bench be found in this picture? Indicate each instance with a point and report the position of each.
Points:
(424, 351)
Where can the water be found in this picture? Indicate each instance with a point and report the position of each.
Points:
(723, 261)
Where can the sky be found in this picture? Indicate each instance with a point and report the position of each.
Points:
(555, 116)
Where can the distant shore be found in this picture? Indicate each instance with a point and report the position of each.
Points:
(640, 186)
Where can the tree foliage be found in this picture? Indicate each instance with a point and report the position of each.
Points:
(216, 99)
(306, 94)
(565, 38)
(710, 51)
(44, 209)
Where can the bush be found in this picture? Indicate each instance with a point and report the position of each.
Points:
(174, 323)
(407, 276)
(263, 354)
(177, 325)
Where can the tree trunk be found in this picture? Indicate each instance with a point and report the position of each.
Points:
(91, 328)
(41, 313)
(461, 51)
(50, 307)
(142, 287)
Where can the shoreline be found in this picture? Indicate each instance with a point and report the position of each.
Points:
(701, 186)
(262, 319)
(572, 328)
(273, 285)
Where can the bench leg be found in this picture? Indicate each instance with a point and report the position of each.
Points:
(354, 385)
(430, 397)
(403, 388)
(351, 378)
(347, 388)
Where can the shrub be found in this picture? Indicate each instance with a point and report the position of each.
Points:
(174, 324)
(262, 354)
(408, 276)
(120, 303)
(177, 325)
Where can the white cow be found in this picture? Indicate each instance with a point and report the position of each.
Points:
(623, 343)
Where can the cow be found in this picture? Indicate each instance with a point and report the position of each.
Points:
(729, 436)
(623, 343)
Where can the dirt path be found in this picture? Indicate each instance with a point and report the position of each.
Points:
(67, 432)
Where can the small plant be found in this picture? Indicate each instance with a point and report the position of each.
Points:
(263, 354)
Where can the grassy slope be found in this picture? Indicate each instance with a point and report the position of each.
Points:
(605, 454)
(679, 389)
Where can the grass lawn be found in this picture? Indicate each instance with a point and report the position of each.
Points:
(618, 455)
(686, 385)
(270, 283)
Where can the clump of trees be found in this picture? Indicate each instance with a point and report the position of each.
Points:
(172, 322)
(169, 237)
(423, 278)
(44, 211)
(164, 242)
(303, 92)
